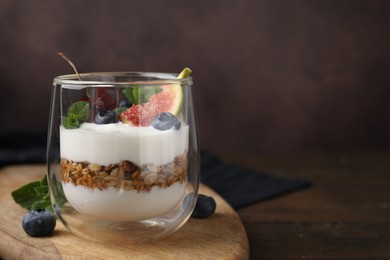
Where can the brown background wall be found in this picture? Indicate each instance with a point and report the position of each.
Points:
(270, 75)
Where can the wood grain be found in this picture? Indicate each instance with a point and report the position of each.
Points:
(345, 214)
(221, 236)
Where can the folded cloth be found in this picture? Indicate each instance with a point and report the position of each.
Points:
(240, 186)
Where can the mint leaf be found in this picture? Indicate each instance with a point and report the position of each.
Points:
(119, 110)
(145, 93)
(66, 123)
(79, 109)
(33, 195)
(77, 114)
(140, 95)
(136, 99)
(128, 92)
(44, 180)
(58, 192)
(42, 190)
(41, 204)
(36, 195)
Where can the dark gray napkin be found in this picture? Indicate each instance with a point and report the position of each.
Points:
(238, 185)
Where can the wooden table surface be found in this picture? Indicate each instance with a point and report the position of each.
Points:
(345, 214)
(222, 236)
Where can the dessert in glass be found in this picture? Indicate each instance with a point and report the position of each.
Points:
(123, 159)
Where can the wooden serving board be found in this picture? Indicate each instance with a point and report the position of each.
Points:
(222, 236)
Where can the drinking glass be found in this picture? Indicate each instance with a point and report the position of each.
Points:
(122, 154)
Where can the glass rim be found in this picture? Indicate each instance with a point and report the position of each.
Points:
(161, 78)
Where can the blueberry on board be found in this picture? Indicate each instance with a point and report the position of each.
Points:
(204, 207)
(39, 223)
(165, 121)
(124, 103)
(105, 117)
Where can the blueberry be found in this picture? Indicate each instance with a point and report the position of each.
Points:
(204, 207)
(165, 121)
(125, 103)
(105, 117)
(39, 223)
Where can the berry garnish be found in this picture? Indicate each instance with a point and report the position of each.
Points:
(204, 207)
(102, 100)
(105, 117)
(124, 103)
(148, 104)
(165, 121)
(70, 63)
(39, 223)
(99, 104)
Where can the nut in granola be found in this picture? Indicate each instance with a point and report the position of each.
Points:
(125, 175)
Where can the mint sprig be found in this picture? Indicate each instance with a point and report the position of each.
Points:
(140, 95)
(34, 195)
(78, 113)
(119, 110)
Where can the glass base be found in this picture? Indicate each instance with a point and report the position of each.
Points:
(135, 232)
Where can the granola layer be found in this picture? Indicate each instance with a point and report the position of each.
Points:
(125, 175)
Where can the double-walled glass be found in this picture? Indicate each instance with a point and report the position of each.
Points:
(122, 156)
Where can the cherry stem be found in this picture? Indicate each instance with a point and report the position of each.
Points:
(71, 64)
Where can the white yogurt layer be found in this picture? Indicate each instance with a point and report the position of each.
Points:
(112, 143)
(120, 205)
